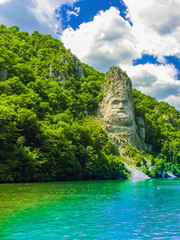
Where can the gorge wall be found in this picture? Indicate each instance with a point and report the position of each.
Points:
(117, 112)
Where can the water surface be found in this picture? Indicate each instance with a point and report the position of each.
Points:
(123, 209)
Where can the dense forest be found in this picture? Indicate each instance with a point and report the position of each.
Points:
(162, 124)
(46, 99)
(48, 125)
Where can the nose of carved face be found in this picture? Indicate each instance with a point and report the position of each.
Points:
(121, 105)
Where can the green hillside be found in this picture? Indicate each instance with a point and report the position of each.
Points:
(162, 123)
(48, 128)
(46, 98)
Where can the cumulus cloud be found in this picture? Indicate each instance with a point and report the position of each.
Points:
(173, 100)
(158, 81)
(106, 39)
(155, 31)
(15, 12)
(4, 1)
(156, 26)
(143, 78)
(45, 12)
(33, 14)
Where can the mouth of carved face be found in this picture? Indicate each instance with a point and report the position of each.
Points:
(121, 118)
(119, 112)
(122, 111)
(121, 115)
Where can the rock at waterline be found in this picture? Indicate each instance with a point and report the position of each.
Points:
(135, 174)
(170, 175)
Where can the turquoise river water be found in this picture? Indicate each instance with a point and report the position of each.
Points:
(122, 209)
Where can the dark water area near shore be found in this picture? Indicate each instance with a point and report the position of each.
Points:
(119, 209)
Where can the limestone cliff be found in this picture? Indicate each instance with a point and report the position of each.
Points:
(117, 111)
(4, 74)
(61, 74)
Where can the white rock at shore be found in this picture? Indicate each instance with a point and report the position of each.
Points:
(135, 174)
(170, 175)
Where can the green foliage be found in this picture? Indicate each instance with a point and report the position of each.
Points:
(47, 98)
(162, 123)
(46, 133)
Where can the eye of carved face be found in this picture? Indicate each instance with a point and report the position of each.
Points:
(115, 104)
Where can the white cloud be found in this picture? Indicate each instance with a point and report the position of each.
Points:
(158, 81)
(104, 41)
(44, 11)
(173, 100)
(155, 30)
(33, 14)
(15, 12)
(75, 12)
(156, 26)
(4, 1)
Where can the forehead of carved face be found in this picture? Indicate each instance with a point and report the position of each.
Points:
(118, 111)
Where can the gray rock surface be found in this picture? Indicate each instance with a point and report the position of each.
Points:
(61, 77)
(63, 59)
(141, 127)
(170, 175)
(117, 111)
(78, 67)
(135, 174)
(4, 74)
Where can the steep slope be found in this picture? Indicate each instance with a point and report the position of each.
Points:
(46, 98)
(162, 124)
(49, 130)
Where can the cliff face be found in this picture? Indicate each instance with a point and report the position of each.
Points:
(61, 74)
(117, 111)
(4, 74)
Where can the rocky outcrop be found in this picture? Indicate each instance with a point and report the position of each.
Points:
(60, 75)
(135, 173)
(63, 59)
(78, 67)
(166, 175)
(117, 111)
(4, 74)
(170, 175)
(141, 127)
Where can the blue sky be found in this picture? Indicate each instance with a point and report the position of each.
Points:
(93, 8)
(142, 37)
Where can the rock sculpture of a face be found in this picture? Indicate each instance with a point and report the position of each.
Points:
(117, 110)
(117, 105)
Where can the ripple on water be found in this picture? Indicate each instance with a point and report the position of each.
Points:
(91, 210)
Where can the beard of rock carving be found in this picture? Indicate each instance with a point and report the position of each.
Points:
(118, 111)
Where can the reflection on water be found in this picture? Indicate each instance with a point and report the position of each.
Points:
(145, 209)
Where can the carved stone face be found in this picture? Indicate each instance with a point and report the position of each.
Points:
(118, 111)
